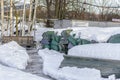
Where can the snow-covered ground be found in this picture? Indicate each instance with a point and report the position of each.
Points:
(96, 33)
(7, 73)
(52, 61)
(89, 33)
(13, 58)
(13, 55)
(99, 50)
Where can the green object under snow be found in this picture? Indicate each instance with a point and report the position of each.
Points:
(60, 43)
(66, 33)
(114, 39)
(48, 35)
(84, 41)
(46, 46)
(54, 47)
(72, 40)
(53, 42)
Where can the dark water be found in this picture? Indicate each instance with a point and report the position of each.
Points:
(107, 67)
(35, 65)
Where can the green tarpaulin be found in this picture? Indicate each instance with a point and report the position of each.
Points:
(114, 39)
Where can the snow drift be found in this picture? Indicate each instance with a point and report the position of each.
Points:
(100, 50)
(51, 62)
(7, 73)
(90, 33)
(13, 55)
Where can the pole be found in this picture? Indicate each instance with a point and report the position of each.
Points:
(11, 15)
(16, 15)
(34, 17)
(16, 23)
(30, 12)
(30, 15)
(2, 17)
(23, 23)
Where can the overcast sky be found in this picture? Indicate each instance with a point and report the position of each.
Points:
(98, 2)
(27, 1)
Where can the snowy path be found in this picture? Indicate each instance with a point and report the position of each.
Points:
(35, 64)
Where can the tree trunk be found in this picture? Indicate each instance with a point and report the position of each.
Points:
(2, 17)
(23, 23)
(11, 16)
(30, 16)
(48, 12)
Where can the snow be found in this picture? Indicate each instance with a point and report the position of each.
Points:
(42, 29)
(90, 33)
(13, 55)
(27, 1)
(112, 77)
(39, 32)
(7, 73)
(100, 50)
(52, 61)
(74, 73)
(96, 33)
(20, 26)
(49, 57)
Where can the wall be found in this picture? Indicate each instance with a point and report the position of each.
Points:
(79, 23)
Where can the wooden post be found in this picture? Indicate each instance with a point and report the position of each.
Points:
(23, 23)
(34, 17)
(2, 17)
(11, 15)
(30, 12)
(30, 15)
(16, 23)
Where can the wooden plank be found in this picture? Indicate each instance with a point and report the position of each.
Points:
(11, 16)
(23, 19)
(2, 17)
(107, 67)
(22, 40)
(30, 16)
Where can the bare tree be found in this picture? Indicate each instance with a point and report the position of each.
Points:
(48, 4)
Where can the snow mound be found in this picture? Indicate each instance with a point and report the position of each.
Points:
(49, 57)
(13, 55)
(7, 73)
(100, 50)
(74, 73)
(96, 33)
(90, 33)
(52, 61)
